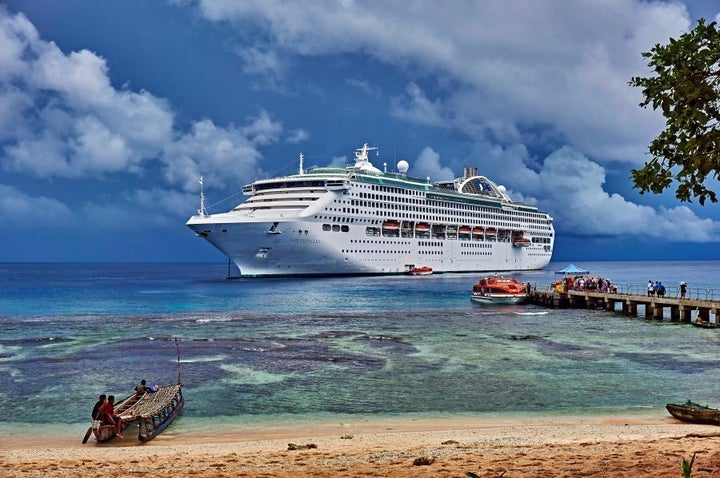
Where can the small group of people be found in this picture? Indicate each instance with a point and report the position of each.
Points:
(104, 409)
(589, 283)
(658, 289)
(655, 288)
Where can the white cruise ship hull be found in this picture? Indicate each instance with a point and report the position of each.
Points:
(298, 248)
(358, 220)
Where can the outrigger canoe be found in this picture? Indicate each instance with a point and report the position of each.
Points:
(694, 413)
(152, 412)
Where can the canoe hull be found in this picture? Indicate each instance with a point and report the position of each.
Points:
(153, 426)
(694, 413)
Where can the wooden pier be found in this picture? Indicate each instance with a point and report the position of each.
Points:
(680, 310)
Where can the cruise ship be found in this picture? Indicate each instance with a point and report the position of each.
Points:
(362, 220)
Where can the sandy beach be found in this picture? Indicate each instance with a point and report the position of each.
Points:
(617, 447)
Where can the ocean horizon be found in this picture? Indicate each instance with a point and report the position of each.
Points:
(268, 352)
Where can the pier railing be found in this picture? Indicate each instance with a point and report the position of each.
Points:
(698, 305)
(671, 292)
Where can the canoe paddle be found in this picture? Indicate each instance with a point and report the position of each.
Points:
(87, 435)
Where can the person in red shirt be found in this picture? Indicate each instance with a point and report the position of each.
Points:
(107, 413)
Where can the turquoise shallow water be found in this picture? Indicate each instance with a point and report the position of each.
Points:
(283, 351)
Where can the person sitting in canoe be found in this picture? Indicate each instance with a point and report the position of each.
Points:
(98, 405)
(107, 412)
(143, 388)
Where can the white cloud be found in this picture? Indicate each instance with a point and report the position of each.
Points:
(262, 62)
(297, 136)
(562, 65)
(146, 208)
(60, 116)
(417, 108)
(428, 165)
(22, 210)
(570, 187)
(218, 154)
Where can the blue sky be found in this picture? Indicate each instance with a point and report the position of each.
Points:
(111, 111)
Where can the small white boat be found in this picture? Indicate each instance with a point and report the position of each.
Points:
(499, 290)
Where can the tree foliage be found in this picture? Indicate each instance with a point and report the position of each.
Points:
(686, 88)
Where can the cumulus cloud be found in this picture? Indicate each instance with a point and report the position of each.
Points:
(218, 154)
(428, 165)
(297, 136)
(417, 108)
(60, 116)
(559, 64)
(22, 210)
(570, 187)
(63, 117)
(147, 208)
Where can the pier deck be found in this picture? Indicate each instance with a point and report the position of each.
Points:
(630, 304)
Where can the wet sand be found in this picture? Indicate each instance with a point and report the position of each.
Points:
(587, 447)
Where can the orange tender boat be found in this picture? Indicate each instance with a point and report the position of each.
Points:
(499, 290)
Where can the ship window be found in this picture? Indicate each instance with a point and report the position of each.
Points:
(335, 227)
(344, 228)
(326, 227)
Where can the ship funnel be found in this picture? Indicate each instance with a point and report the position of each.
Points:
(469, 172)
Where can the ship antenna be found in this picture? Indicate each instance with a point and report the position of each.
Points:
(202, 211)
(302, 156)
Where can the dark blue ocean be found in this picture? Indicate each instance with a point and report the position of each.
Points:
(261, 352)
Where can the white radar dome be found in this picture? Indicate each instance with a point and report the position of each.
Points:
(502, 189)
(403, 166)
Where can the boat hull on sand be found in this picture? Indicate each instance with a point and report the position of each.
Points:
(692, 412)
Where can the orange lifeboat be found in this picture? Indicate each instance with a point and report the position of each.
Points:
(490, 231)
(477, 231)
(499, 290)
(464, 230)
(392, 225)
(422, 227)
(420, 271)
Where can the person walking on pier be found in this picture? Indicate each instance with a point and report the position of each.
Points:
(683, 289)
(650, 288)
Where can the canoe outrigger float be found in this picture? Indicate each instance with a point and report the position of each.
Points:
(151, 411)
